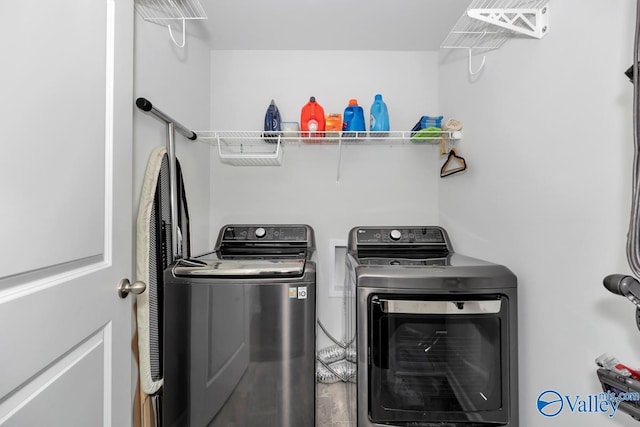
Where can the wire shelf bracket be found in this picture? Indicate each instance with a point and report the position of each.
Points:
(487, 24)
(530, 22)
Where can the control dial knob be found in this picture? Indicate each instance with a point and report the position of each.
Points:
(395, 235)
(260, 232)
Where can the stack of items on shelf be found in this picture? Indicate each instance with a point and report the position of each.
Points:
(314, 122)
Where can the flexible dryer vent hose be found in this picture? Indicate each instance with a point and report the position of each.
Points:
(337, 362)
(340, 371)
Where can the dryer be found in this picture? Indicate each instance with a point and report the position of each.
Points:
(436, 332)
(239, 331)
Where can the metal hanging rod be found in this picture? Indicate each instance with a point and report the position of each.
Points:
(145, 105)
(172, 126)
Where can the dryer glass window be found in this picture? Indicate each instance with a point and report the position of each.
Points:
(436, 360)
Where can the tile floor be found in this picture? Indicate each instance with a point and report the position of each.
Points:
(331, 405)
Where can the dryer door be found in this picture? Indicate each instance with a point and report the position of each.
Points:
(438, 360)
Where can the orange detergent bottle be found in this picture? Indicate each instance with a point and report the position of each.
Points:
(312, 121)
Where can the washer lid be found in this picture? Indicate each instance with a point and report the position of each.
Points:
(237, 268)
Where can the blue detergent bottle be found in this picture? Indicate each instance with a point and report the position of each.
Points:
(379, 119)
(353, 118)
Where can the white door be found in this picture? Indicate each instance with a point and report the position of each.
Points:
(66, 212)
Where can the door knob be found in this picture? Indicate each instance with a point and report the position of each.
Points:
(125, 287)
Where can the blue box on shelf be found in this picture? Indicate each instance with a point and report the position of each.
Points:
(428, 121)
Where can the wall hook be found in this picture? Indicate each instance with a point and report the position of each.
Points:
(184, 25)
(471, 72)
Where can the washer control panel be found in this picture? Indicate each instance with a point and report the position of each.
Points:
(387, 235)
(270, 233)
(265, 241)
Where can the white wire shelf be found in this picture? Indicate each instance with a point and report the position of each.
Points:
(166, 12)
(261, 148)
(268, 140)
(161, 11)
(488, 24)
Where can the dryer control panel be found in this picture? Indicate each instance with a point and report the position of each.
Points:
(400, 235)
(417, 242)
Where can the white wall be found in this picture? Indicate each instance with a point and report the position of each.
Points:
(176, 81)
(549, 147)
(378, 184)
